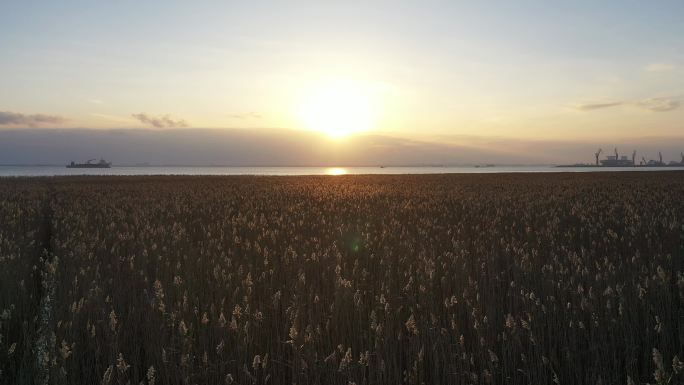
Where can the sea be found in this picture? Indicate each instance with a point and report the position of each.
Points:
(18, 171)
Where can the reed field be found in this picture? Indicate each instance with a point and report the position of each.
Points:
(567, 278)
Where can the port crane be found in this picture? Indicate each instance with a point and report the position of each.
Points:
(625, 161)
(599, 151)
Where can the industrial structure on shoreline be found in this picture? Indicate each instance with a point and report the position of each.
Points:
(618, 160)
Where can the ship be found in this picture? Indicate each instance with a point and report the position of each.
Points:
(89, 164)
(614, 161)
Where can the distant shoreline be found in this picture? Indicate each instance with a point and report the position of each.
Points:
(475, 165)
(51, 171)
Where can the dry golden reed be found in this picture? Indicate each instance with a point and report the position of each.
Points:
(434, 279)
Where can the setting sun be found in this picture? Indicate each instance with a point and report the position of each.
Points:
(342, 192)
(338, 108)
(335, 171)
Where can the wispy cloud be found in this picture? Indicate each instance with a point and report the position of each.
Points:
(658, 104)
(652, 104)
(112, 118)
(246, 115)
(162, 121)
(660, 67)
(8, 118)
(596, 106)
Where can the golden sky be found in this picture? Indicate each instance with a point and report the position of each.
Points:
(435, 71)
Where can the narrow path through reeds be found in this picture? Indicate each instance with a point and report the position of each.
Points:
(45, 336)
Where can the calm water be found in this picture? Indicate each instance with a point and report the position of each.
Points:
(61, 170)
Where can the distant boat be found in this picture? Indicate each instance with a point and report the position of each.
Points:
(89, 164)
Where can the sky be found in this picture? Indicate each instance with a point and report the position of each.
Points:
(400, 82)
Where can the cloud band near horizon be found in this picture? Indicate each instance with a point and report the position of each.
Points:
(162, 121)
(651, 104)
(8, 118)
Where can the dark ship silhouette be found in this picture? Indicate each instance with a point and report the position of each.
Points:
(89, 164)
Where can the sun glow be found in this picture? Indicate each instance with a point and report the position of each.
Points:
(338, 107)
(335, 171)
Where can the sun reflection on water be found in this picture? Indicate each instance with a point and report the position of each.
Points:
(335, 171)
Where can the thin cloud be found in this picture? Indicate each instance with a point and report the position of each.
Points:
(652, 104)
(659, 67)
(162, 121)
(596, 106)
(658, 104)
(112, 118)
(246, 115)
(8, 118)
